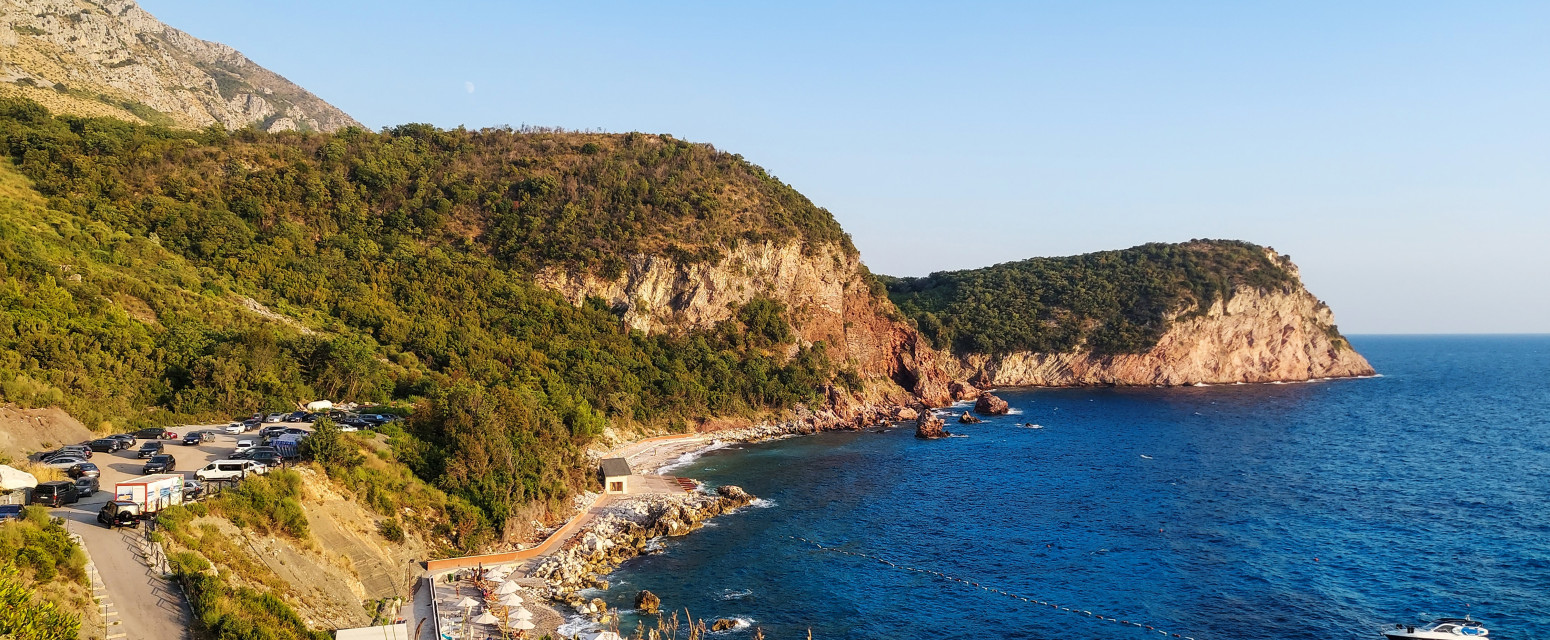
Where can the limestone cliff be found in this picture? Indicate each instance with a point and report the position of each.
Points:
(827, 292)
(1254, 336)
(112, 58)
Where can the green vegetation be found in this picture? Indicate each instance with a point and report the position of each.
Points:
(41, 579)
(270, 503)
(398, 265)
(1109, 302)
(227, 612)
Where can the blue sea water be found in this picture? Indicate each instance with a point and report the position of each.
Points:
(1316, 511)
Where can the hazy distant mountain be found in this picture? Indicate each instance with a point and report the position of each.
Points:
(113, 58)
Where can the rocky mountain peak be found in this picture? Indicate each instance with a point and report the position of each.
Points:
(112, 58)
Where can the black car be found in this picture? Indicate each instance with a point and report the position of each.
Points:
(149, 433)
(119, 513)
(241, 455)
(196, 437)
(86, 486)
(296, 417)
(150, 449)
(160, 463)
(128, 439)
(266, 456)
(84, 470)
(55, 494)
(106, 445)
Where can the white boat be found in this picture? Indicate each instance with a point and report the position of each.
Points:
(1441, 629)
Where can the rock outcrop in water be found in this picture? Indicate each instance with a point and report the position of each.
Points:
(990, 405)
(929, 427)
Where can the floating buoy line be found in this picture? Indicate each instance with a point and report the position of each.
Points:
(1081, 612)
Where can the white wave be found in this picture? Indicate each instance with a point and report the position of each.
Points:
(761, 503)
(731, 594)
(1033, 426)
(1200, 384)
(655, 545)
(574, 626)
(1146, 456)
(1014, 412)
(691, 456)
(739, 623)
(957, 435)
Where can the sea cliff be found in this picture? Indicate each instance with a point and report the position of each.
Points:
(830, 297)
(1275, 336)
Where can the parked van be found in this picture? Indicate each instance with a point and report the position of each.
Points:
(55, 494)
(229, 470)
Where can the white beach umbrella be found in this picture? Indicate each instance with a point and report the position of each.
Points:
(511, 600)
(467, 603)
(486, 618)
(520, 614)
(508, 587)
(524, 625)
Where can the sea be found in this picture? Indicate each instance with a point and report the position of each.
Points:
(1320, 510)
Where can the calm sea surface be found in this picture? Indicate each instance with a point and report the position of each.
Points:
(1222, 513)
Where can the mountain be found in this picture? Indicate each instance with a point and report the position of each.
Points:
(1201, 312)
(111, 58)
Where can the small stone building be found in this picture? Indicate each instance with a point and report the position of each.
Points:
(616, 475)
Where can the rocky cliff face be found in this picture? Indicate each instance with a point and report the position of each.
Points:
(111, 58)
(1256, 336)
(826, 292)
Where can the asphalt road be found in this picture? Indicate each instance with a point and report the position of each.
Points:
(148, 606)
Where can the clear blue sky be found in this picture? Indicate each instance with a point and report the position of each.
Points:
(1400, 151)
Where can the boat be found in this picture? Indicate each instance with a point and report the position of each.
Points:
(1440, 629)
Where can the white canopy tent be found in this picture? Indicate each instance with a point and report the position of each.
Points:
(12, 479)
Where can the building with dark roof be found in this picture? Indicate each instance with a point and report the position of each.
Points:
(616, 475)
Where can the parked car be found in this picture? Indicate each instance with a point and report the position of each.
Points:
(56, 493)
(297, 416)
(251, 424)
(11, 512)
(235, 428)
(83, 470)
(76, 450)
(160, 463)
(193, 490)
(85, 486)
(155, 433)
(63, 462)
(119, 513)
(128, 439)
(105, 445)
(349, 428)
(150, 449)
(267, 456)
(269, 432)
(275, 417)
(244, 445)
(228, 470)
(195, 437)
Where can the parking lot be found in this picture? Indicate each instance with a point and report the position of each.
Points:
(145, 605)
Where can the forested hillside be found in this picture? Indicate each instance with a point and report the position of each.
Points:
(1109, 302)
(396, 266)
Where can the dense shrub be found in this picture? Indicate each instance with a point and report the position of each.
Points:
(1109, 302)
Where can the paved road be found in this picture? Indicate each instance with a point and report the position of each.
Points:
(148, 606)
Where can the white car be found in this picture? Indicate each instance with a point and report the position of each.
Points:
(275, 417)
(348, 428)
(229, 470)
(234, 428)
(244, 445)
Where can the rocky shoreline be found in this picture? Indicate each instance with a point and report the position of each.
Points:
(632, 527)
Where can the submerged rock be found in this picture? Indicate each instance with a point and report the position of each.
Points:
(968, 418)
(990, 405)
(929, 426)
(723, 624)
(648, 602)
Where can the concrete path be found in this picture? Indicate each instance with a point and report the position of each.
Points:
(147, 606)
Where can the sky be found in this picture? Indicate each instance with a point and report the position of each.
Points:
(1398, 151)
